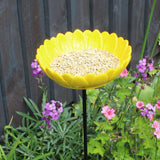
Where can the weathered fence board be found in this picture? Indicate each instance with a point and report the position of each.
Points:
(58, 23)
(24, 25)
(80, 17)
(2, 113)
(120, 18)
(101, 15)
(11, 61)
(137, 29)
(32, 33)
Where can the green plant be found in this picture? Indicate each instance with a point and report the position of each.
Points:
(128, 135)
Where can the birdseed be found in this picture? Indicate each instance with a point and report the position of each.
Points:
(82, 62)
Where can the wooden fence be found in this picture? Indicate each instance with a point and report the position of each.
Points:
(24, 24)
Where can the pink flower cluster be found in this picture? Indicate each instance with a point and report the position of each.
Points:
(156, 125)
(51, 111)
(158, 105)
(108, 112)
(148, 110)
(124, 73)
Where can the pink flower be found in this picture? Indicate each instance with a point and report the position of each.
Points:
(150, 115)
(149, 106)
(157, 133)
(156, 124)
(108, 112)
(124, 73)
(158, 105)
(140, 105)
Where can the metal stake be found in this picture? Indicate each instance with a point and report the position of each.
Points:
(84, 97)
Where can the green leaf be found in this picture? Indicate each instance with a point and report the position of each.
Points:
(103, 126)
(146, 94)
(44, 99)
(95, 147)
(26, 116)
(92, 94)
(33, 107)
(2, 154)
(103, 137)
(14, 146)
(43, 156)
(114, 120)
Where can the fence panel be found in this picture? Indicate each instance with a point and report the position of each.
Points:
(32, 33)
(137, 29)
(100, 15)
(2, 113)
(12, 62)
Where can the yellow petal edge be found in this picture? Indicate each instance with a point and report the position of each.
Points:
(79, 40)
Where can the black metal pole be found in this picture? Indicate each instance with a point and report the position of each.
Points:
(84, 97)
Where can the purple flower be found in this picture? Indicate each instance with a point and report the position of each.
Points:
(145, 112)
(52, 111)
(145, 65)
(136, 75)
(150, 67)
(37, 71)
(54, 115)
(141, 68)
(144, 75)
(142, 62)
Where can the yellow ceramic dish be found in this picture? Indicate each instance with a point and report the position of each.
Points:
(79, 40)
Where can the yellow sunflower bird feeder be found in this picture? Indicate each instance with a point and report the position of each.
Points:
(83, 60)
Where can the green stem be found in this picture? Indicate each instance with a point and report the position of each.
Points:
(147, 30)
(155, 44)
(156, 150)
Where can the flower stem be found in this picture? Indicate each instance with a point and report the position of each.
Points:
(147, 30)
(155, 44)
(156, 150)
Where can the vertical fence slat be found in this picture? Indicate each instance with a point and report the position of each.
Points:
(3, 105)
(57, 17)
(120, 18)
(58, 23)
(31, 21)
(80, 19)
(137, 30)
(2, 113)
(80, 14)
(11, 60)
(101, 15)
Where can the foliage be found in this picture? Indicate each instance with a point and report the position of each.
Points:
(31, 141)
(128, 135)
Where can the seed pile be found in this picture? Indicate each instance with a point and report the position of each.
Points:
(82, 62)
